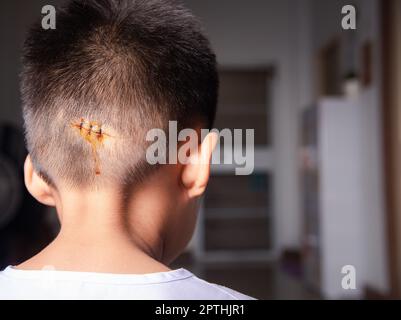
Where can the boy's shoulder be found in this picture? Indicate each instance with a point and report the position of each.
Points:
(174, 285)
(217, 292)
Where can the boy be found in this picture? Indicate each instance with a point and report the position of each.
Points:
(92, 89)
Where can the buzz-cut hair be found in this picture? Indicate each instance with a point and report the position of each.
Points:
(122, 66)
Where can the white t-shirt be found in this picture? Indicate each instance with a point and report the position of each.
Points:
(64, 285)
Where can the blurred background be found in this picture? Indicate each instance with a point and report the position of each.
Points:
(324, 103)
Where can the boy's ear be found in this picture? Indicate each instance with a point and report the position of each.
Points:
(36, 186)
(195, 175)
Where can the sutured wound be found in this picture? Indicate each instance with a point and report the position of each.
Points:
(92, 132)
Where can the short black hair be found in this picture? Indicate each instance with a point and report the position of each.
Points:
(131, 65)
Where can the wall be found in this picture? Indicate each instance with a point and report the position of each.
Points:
(326, 25)
(289, 34)
(15, 16)
(262, 33)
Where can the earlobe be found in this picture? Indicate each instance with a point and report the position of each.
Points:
(195, 175)
(36, 186)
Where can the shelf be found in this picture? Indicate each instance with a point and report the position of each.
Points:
(263, 161)
(237, 234)
(234, 213)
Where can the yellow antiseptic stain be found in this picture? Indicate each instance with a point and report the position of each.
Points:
(92, 132)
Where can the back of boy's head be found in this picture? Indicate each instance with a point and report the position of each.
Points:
(128, 65)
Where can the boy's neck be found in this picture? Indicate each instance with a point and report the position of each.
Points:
(96, 236)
